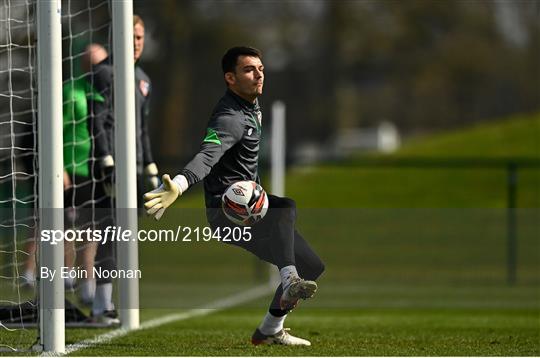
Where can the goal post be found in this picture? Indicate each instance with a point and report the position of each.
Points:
(51, 200)
(125, 146)
(278, 149)
(278, 163)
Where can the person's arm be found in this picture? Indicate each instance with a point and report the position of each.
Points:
(145, 138)
(100, 104)
(224, 131)
(150, 167)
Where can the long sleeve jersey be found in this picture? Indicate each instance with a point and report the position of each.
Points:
(102, 121)
(77, 140)
(230, 150)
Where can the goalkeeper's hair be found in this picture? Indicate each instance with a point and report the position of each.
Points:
(137, 20)
(229, 60)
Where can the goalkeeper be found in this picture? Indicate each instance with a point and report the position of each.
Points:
(229, 153)
(102, 130)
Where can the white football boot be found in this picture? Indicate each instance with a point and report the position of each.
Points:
(282, 338)
(108, 318)
(297, 289)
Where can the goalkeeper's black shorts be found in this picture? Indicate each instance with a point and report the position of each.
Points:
(275, 238)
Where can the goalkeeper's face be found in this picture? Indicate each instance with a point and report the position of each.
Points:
(248, 78)
(138, 41)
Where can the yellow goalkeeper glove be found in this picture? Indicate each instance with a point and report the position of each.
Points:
(157, 200)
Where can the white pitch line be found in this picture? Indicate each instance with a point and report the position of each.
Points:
(216, 306)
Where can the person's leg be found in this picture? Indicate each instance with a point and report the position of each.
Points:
(298, 274)
(282, 249)
(69, 224)
(103, 307)
(29, 275)
(86, 250)
(275, 244)
(275, 241)
(309, 267)
(104, 261)
(279, 224)
(85, 259)
(69, 263)
(271, 331)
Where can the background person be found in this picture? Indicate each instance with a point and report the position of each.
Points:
(102, 128)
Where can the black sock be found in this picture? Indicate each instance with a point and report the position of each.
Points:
(277, 312)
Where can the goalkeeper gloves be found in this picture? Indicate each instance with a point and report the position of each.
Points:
(107, 174)
(157, 200)
(151, 172)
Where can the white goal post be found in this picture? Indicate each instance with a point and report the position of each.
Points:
(50, 149)
(126, 180)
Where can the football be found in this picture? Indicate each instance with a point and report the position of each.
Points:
(244, 203)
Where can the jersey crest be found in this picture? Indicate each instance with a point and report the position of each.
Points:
(144, 87)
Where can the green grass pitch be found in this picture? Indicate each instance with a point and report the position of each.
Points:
(345, 332)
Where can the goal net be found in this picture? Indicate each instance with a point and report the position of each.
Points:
(86, 39)
(18, 170)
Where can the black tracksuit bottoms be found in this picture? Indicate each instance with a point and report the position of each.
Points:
(275, 240)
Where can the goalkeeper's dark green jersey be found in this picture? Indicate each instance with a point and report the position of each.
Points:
(230, 150)
(77, 141)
